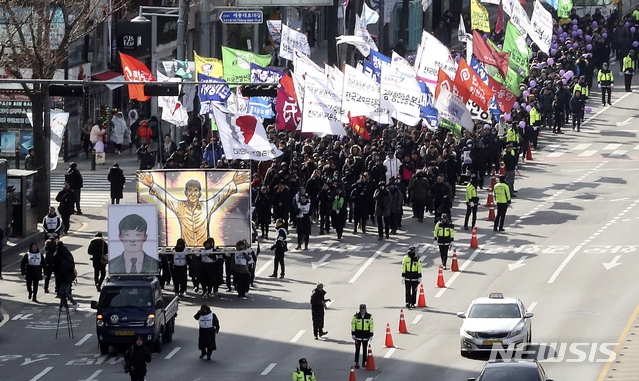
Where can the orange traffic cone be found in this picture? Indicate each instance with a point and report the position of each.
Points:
(491, 213)
(454, 266)
(352, 376)
(421, 302)
(389, 338)
(370, 360)
(402, 323)
(473, 239)
(440, 277)
(529, 153)
(502, 169)
(490, 200)
(493, 180)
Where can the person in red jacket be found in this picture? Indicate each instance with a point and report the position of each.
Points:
(144, 133)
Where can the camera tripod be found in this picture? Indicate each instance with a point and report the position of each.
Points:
(69, 323)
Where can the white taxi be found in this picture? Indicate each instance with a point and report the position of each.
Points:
(494, 322)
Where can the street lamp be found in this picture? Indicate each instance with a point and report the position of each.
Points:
(166, 12)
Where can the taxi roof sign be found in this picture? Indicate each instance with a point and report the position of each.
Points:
(496, 295)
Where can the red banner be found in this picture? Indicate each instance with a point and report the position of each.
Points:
(288, 112)
(444, 82)
(358, 123)
(477, 89)
(504, 97)
(488, 55)
(135, 71)
(499, 26)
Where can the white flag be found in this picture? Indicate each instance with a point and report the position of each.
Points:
(461, 31)
(434, 55)
(541, 27)
(336, 84)
(356, 41)
(244, 137)
(321, 113)
(291, 40)
(400, 94)
(389, 6)
(58, 122)
(361, 31)
(453, 109)
(369, 16)
(518, 16)
(426, 4)
(172, 109)
(360, 96)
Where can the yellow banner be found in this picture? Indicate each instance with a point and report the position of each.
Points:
(208, 66)
(479, 19)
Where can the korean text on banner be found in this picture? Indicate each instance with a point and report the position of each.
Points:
(504, 97)
(400, 94)
(541, 27)
(453, 109)
(435, 55)
(373, 65)
(214, 90)
(518, 50)
(518, 16)
(263, 106)
(479, 18)
(136, 71)
(478, 91)
(361, 31)
(291, 40)
(275, 29)
(563, 8)
(289, 115)
(360, 93)
(211, 67)
(321, 112)
(237, 64)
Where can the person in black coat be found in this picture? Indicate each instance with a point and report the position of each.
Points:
(360, 206)
(209, 327)
(50, 247)
(318, 306)
(339, 212)
(135, 360)
(147, 158)
(325, 201)
(98, 249)
(281, 202)
(116, 179)
(32, 264)
(262, 214)
(66, 198)
(438, 191)
(74, 178)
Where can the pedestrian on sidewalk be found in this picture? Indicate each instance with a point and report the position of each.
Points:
(99, 253)
(31, 267)
(117, 180)
(66, 198)
(52, 225)
(29, 160)
(318, 306)
(74, 178)
(119, 131)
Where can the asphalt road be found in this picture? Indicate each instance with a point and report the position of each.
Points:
(569, 252)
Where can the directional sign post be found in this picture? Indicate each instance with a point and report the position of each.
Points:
(242, 17)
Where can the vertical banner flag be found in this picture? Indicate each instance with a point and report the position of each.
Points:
(356, 41)
(373, 65)
(58, 122)
(461, 31)
(499, 26)
(487, 54)
(426, 109)
(214, 90)
(135, 71)
(275, 29)
(291, 40)
(479, 18)
(237, 64)
(518, 50)
(434, 55)
(288, 112)
(321, 112)
(361, 31)
(263, 106)
(541, 27)
(453, 109)
(360, 93)
(400, 94)
(518, 16)
(369, 16)
(244, 137)
(505, 98)
(445, 82)
(563, 8)
(211, 67)
(483, 75)
(172, 109)
(478, 91)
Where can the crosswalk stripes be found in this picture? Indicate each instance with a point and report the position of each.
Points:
(90, 182)
(584, 150)
(90, 199)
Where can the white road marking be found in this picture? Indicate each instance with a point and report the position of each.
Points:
(636, 147)
(587, 153)
(172, 353)
(297, 337)
(93, 376)
(611, 147)
(619, 152)
(581, 147)
(461, 270)
(551, 147)
(268, 369)
(268, 264)
(416, 320)
(41, 374)
(369, 379)
(85, 338)
(532, 306)
(613, 263)
(564, 263)
(368, 263)
(555, 154)
(390, 353)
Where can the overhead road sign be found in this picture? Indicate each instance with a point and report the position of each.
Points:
(242, 17)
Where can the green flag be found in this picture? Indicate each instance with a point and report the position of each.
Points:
(515, 44)
(563, 8)
(450, 126)
(237, 64)
(511, 82)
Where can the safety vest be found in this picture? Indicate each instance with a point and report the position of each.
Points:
(635, 14)
(52, 224)
(34, 259)
(206, 321)
(535, 116)
(628, 63)
(444, 233)
(179, 259)
(605, 77)
(471, 192)
(300, 375)
(582, 88)
(502, 193)
(512, 136)
(411, 267)
(363, 324)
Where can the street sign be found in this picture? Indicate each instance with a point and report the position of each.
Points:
(242, 17)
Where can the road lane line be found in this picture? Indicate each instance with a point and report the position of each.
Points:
(611, 147)
(172, 353)
(622, 339)
(390, 353)
(268, 369)
(461, 270)
(555, 154)
(297, 337)
(369, 379)
(264, 267)
(588, 152)
(85, 338)
(416, 320)
(564, 263)
(93, 376)
(41, 374)
(368, 263)
(532, 306)
(619, 152)
(581, 147)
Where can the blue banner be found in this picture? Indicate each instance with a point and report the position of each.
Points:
(426, 109)
(263, 106)
(483, 74)
(373, 65)
(216, 92)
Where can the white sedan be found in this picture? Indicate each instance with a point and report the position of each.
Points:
(494, 322)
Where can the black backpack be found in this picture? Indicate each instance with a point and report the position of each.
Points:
(67, 271)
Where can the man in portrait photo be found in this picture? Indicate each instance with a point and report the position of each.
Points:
(133, 260)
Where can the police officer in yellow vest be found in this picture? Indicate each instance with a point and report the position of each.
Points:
(606, 82)
(411, 276)
(362, 329)
(502, 198)
(535, 122)
(581, 86)
(444, 236)
(628, 69)
(303, 373)
(472, 201)
(512, 137)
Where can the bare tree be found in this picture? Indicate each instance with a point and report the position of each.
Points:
(35, 36)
